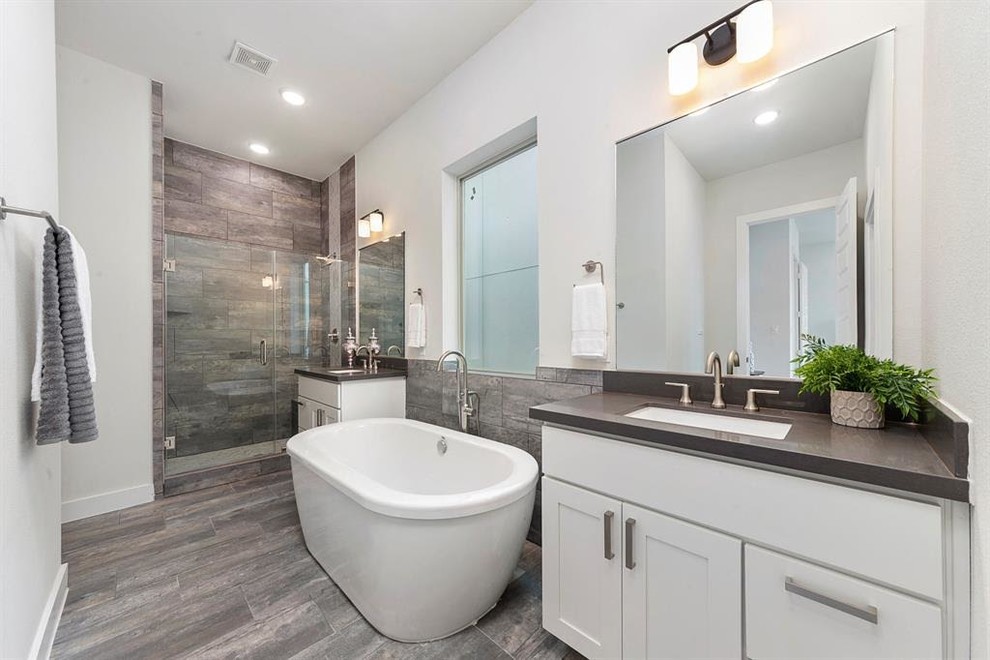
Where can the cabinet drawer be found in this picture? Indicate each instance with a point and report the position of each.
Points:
(797, 611)
(321, 391)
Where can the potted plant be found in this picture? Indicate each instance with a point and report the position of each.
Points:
(860, 385)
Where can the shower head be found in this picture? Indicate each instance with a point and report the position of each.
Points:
(329, 259)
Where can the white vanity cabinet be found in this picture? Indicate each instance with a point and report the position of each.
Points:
(327, 402)
(653, 553)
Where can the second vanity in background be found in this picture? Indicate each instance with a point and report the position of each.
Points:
(327, 396)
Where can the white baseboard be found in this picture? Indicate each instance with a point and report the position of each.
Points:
(44, 637)
(84, 507)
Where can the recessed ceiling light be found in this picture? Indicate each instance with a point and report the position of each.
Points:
(258, 148)
(293, 97)
(765, 118)
(766, 85)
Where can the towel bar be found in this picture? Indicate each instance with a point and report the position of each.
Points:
(590, 267)
(45, 215)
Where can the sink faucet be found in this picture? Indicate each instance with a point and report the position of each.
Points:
(731, 362)
(714, 365)
(464, 407)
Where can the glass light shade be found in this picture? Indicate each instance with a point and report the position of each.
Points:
(754, 31)
(377, 221)
(364, 228)
(682, 69)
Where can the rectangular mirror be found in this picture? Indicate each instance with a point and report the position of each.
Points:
(381, 294)
(761, 218)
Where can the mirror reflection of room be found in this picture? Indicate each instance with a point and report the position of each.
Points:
(381, 294)
(753, 222)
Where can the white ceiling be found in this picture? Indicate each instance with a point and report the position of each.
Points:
(359, 64)
(820, 106)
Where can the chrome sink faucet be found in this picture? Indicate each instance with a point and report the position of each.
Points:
(464, 396)
(714, 366)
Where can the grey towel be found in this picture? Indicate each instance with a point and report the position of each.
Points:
(67, 408)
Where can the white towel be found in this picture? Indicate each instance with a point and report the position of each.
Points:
(85, 306)
(589, 329)
(416, 326)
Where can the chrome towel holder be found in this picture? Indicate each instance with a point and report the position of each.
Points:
(45, 215)
(591, 266)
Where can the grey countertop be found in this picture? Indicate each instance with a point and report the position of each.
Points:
(897, 457)
(327, 373)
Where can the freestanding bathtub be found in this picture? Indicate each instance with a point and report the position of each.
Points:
(420, 526)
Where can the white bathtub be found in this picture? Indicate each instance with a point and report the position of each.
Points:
(422, 542)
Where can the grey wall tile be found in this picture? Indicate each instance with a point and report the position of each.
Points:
(269, 179)
(183, 184)
(210, 163)
(307, 239)
(188, 218)
(259, 231)
(299, 210)
(234, 196)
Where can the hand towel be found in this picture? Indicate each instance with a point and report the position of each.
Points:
(589, 331)
(67, 410)
(85, 305)
(416, 325)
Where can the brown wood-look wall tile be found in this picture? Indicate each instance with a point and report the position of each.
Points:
(307, 239)
(299, 210)
(210, 163)
(183, 184)
(156, 97)
(234, 196)
(189, 218)
(269, 179)
(157, 219)
(259, 231)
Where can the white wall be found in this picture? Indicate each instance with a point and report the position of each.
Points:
(818, 175)
(30, 537)
(594, 73)
(104, 140)
(956, 297)
(684, 213)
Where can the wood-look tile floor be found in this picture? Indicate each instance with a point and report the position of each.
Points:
(224, 573)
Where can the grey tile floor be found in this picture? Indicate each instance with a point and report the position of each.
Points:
(224, 573)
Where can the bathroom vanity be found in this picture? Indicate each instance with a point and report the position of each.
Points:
(667, 540)
(327, 396)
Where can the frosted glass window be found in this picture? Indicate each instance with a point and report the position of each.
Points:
(500, 266)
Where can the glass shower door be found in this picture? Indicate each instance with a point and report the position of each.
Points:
(220, 357)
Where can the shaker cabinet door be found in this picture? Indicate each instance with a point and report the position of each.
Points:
(582, 579)
(682, 589)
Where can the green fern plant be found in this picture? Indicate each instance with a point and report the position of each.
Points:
(825, 369)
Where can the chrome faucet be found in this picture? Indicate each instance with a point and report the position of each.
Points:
(714, 365)
(464, 407)
(731, 362)
(398, 351)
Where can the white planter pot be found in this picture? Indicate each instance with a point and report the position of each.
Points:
(857, 409)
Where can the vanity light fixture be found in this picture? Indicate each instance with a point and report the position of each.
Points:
(259, 148)
(750, 37)
(375, 222)
(764, 118)
(292, 97)
(364, 228)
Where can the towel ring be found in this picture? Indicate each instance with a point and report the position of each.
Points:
(591, 266)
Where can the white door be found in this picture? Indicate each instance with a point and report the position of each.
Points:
(846, 310)
(582, 560)
(681, 589)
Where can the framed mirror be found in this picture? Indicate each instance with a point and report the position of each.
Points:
(759, 219)
(381, 293)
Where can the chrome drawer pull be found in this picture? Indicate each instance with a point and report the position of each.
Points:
(630, 523)
(608, 534)
(868, 613)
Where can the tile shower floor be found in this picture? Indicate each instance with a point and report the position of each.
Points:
(224, 573)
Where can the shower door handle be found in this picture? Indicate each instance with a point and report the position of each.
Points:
(263, 352)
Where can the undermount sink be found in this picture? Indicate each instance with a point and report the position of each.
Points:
(346, 372)
(757, 427)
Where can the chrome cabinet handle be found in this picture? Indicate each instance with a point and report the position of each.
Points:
(608, 534)
(319, 417)
(869, 613)
(263, 350)
(630, 523)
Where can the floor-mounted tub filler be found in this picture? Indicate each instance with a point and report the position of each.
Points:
(419, 525)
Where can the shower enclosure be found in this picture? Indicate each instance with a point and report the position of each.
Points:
(239, 320)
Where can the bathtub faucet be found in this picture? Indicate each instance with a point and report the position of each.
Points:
(464, 396)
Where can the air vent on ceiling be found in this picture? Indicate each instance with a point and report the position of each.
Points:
(248, 58)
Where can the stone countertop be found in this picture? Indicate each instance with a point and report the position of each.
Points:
(327, 373)
(897, 457)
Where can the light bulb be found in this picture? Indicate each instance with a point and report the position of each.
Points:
(682, 69)
(292, 97)
(364, 228)
(259, 148)
(377, 221)
(754, 31)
